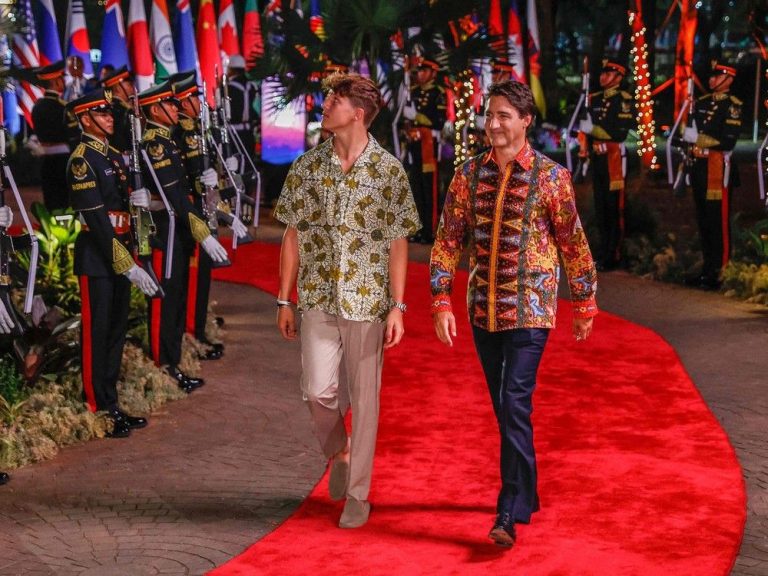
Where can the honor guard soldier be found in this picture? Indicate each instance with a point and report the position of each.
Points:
(98, 191)
(713, 134)
(187, 134)
(57, 132)
(120, 81)
(427, 117)
(244, 104)
(610, 116)
(167, 315)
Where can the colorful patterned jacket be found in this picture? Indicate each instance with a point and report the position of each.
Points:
(515, 224)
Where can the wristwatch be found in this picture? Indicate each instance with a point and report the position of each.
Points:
(399, 305)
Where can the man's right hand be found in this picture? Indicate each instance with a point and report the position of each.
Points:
(6, 322)
(286, 322)
(445, 326)
(214, 249)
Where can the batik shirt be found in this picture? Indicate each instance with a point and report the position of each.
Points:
(345, 224)
(515, 224)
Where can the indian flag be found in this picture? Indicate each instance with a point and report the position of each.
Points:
(161, 40)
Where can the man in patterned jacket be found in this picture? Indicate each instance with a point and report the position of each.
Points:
(348, 210)
(515, 209)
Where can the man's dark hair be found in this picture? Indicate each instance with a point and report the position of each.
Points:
(517, 94)
(361, 91)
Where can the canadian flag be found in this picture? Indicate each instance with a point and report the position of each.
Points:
(228, 40)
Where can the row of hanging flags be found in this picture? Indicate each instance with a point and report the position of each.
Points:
(153, 49)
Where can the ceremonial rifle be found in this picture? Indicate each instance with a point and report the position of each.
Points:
(680, 178)
(9, 244)
(142, 225)
(581, 112)
(762, 163)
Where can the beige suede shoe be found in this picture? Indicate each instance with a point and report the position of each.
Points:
(355, 513)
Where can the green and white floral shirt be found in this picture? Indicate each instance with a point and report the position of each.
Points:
(345, 224)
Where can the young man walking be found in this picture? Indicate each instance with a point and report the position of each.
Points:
(348, 210)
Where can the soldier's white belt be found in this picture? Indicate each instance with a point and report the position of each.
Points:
(51, 149)
(242, 126)
(121, 221)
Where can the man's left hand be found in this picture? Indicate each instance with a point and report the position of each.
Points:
(395, 330)
(582, 328)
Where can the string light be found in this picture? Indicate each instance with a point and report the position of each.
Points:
(465, 118)
(646, 126)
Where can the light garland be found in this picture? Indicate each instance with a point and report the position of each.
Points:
(465, 118)
(646, 126)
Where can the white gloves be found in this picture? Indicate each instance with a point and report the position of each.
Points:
(691, 134)
(232, 163)
(238, 228)
(216, 251)
(140, 198)
(409, 112)
(209, 178)
(586, 125)
(6, 323)
(6, 216)
(141, 279)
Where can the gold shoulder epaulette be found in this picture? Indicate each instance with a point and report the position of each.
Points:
(626, 95)
(736, 101)
(705, 97)
(114, 149)
(79, 151)
(149, 134)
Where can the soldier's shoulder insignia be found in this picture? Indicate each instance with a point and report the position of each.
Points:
(626, 95)
(734, 111)
(79, 151)
(113, 149)
(187, 124)
(594, 94)
(149, 134)
(79, 168)
(626, 106)
(191, 141)
(705, 97)
(736, 101)
(156, 151)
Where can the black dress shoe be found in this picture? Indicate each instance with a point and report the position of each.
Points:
(186, 383)
(219, 321)
(214, 352)
(503, 531)
(120, 428)
(132, 421)
(4, 478)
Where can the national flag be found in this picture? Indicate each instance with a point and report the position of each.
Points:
(534, 65)
(10, 110)
(316, 23)
(253, 43)
(228, 40)
(26, 55)
(515, 54)
(184, 38)
(208, 47)
(113, 47)
(162, 41)
(495, 28)
(48, 34)
(78, 43)
(138, 45)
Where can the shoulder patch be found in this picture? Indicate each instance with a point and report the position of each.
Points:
(736, 101)
(149, 134)
(79, 168)
(187, 124)
(79, 151)
(156, 151)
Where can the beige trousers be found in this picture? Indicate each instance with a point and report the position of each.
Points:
(335, 351)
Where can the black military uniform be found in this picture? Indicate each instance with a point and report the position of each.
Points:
(186, 134)
(244, 119)
(58, 132)
(612, 115)
(98, 190)
(423, 140)
(718, 119)
(167, 315)
(4, 478)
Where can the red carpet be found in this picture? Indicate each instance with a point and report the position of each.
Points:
(636, 475)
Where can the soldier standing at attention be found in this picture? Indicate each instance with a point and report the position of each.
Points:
(120, 81)
(98, 190)
(610, 117)
(167, 315)
(713, 134)
(58, 133)
(187, 134)
(427, 117)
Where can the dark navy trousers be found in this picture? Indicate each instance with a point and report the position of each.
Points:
(510, 360)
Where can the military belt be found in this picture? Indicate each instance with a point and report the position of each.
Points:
(120, 221)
